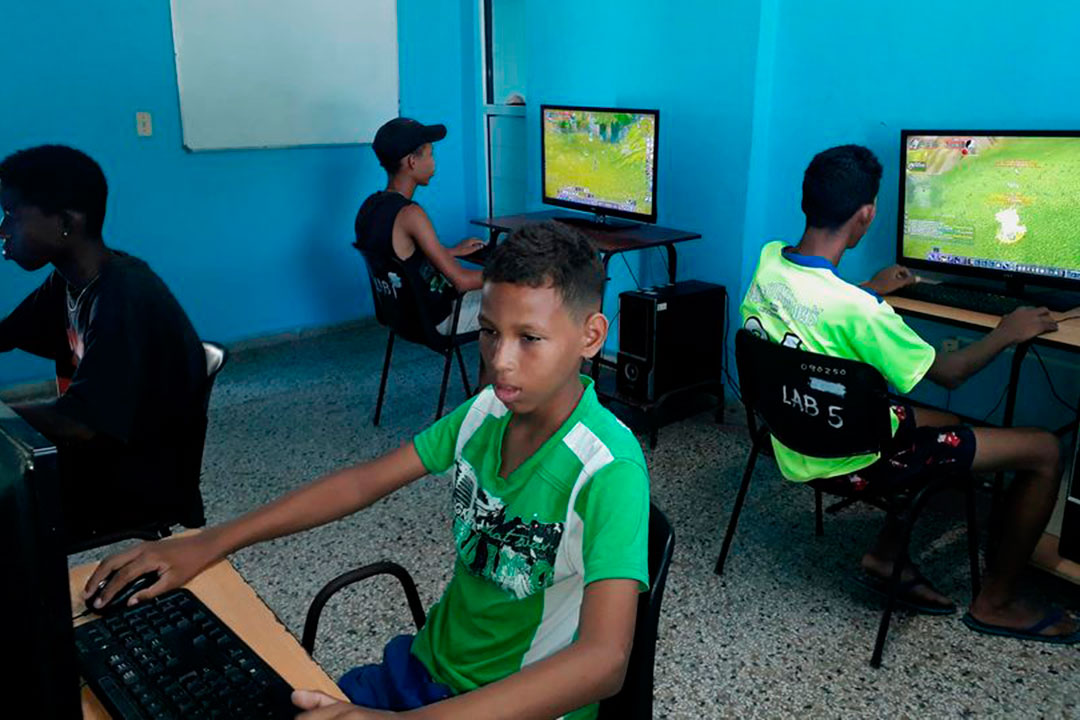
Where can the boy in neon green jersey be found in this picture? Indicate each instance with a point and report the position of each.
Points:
(551, 512)
(797, 298)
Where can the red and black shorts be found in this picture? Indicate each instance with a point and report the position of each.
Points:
(916, 454)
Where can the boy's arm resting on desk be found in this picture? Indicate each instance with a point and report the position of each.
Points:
(329, 498)
(950, 370)
(420, 229)
(890, 279)
(589, 670)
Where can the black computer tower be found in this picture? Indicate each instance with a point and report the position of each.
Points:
(1069, 540)
(670, 337)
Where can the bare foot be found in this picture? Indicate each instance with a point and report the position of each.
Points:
(922, 592)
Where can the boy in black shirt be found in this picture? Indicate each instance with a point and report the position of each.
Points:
(130, 368)
(391, 224)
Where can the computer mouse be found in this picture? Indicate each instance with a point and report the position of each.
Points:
(119, 600)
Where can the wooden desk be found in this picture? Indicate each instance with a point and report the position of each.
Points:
(234, 601)
(1066, 337)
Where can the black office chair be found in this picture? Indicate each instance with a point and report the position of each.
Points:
(634, 701)
(189, 510)
(832, 407)
(401, 309)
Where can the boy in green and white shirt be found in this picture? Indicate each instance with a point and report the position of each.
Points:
(551, 515)
(573, 513)
(797, 298)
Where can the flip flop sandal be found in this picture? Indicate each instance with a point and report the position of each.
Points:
(1035, 632)
(904, 595)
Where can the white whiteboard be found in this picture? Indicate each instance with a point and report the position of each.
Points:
(280, 73)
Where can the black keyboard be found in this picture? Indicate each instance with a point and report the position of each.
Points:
(962, 297)
(171, 657)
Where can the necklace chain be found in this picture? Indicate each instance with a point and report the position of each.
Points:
(72, 305)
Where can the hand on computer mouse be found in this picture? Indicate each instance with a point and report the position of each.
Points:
(1025, 323)
(175, 560)
(120, 600)
(891, 279)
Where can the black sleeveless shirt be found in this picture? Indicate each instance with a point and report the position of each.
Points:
(375, 234)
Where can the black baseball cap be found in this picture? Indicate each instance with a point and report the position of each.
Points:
(400, 136)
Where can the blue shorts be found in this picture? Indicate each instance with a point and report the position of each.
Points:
(400, 682)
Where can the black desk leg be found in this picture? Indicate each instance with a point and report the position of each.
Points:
(672, 259)
(1014, 382)
(594, 364)
(1006, 421)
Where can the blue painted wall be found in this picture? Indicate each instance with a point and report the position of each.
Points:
(851, 71)
(695, 62)
(256, 242)
(251, 242)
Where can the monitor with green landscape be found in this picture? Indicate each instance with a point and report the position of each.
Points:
(997, 204)
(601, 160)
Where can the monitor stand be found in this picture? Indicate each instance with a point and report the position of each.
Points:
(596, 222)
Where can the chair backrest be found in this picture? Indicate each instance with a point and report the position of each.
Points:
(188, 510)
(399, 303)
(192, 514)
(815, 404)
(216, 357)
(634, 701)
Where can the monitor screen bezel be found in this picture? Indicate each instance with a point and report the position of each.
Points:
(585, 207)
(1009, 276)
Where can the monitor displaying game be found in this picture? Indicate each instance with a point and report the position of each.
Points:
(601, 160)
(996, 204)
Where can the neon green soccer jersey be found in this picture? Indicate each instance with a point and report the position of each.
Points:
(574, 512)
(800, 301)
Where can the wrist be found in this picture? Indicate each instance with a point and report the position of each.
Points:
(216, 543)
(1002, 338)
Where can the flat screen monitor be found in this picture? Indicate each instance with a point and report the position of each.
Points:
(36, 604)
(600, 160)
(998, 204)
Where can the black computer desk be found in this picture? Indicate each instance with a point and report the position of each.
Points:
(1066, 337)
(609, 242)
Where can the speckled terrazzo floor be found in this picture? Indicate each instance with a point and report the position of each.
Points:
(784, 633)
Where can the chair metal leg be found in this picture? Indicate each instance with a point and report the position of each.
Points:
(819, 519)
(464, 373)
(890, 601)
(973, 537)
(445, 382)
(739, 499)
(907, 522)
(382, 381)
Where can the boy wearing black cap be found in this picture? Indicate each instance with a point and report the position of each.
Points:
(391, 224)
